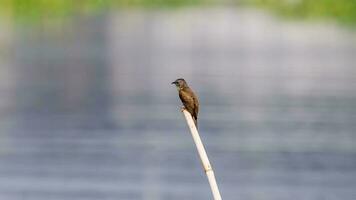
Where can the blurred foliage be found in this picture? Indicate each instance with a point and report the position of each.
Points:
(33, 10)
(37, 9)
(340, 10)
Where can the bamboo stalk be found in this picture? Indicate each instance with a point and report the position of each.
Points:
(203, 156)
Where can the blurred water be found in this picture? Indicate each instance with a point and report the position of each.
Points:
(87, 110)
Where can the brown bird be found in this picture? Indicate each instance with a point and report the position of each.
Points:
(188, 98)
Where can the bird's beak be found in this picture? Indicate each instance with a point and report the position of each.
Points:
(174, 82)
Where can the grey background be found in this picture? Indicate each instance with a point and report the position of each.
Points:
(87, 110)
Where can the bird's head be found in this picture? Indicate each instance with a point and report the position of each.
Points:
(180, 83)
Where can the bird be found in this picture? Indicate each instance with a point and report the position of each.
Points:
(189, 99)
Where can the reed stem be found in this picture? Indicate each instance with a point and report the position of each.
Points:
(203, 156)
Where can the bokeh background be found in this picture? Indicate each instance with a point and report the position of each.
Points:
(87, 110)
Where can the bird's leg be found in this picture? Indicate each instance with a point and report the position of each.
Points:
(182, 109)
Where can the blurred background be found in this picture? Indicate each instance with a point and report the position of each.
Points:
(87, 110)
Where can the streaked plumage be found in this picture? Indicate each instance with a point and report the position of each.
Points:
(188, 98)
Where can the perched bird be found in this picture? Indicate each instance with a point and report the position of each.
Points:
(188, 98)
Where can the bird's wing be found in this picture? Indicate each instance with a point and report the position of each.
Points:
(190, 102)
(186, 98)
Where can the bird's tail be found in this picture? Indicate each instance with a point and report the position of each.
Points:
(195, 122)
